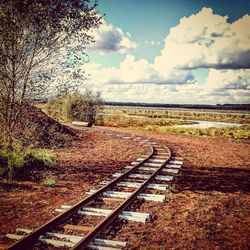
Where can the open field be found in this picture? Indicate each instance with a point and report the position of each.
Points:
(124, 125)
(206, 209)
(236, 125)
(238, 116)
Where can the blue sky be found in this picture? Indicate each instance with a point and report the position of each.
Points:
(140, 36)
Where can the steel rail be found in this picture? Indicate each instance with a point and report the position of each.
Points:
(32, 238)
(83, 244)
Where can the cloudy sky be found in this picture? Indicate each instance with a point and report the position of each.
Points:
(172, 51)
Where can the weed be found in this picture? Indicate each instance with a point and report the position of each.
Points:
(2, 171)
(49, 182)
(238, 133)
(18, 159)
(43, 156)
(12, 160)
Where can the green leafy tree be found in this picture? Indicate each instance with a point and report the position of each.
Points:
(33, 35)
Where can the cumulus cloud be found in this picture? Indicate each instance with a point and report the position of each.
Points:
(221, 86)
(111, 39)
(228, 80)
(136, 71)
(202, 40)
(234, 84)
(207, 40)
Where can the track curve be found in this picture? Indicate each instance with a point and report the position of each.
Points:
(145, 172)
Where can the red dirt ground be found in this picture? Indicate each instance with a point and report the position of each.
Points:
(209, 210)
(28, 203)
(211, 207)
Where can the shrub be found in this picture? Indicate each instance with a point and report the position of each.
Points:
(19, 158)
(49, 182)
(54, 108)
(43, 156)
(242, 133)
(78, 106)
(12, 160)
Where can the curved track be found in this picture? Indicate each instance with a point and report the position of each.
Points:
(149, 172)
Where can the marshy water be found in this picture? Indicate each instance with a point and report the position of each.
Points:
(207, 124)
(189, 123)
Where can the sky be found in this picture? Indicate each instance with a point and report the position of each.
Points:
(171, 51)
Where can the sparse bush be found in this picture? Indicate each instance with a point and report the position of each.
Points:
(82, 107)
(19, 158)
(54, 108)
(121, 121)
(43, 156)
(12, 160)
(49, 182)
(242, 133)
(194, 115)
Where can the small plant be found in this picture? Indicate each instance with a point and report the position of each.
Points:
(43, 156)
(49, 182)
(12, 160)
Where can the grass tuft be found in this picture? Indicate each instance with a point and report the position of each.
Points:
(49, 182)
(43, 156)
(14, 161)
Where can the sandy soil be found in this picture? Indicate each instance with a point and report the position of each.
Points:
(208, 210)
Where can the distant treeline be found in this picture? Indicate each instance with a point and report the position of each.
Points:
(187, 106)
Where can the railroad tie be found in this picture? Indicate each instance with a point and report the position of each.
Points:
(125, 215)
(125, 195)
(71, 240)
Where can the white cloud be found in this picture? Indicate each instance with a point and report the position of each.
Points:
(201, 40)
(111, 39)
(233, 84)
(136, 71)
(207, 40)
(240, 95)
(228, 80)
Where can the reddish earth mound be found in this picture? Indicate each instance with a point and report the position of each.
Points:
(38, 129)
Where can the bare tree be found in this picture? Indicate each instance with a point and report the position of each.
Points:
(32, 32)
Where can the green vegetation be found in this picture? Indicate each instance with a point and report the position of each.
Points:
(126, 121)
(242, 132)
(43, 156)
(81, 107)
(12, 161)
(49, 182)
(163, 120)
(32, 35)
(184, 115)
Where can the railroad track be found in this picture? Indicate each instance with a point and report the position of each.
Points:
(141, 180)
